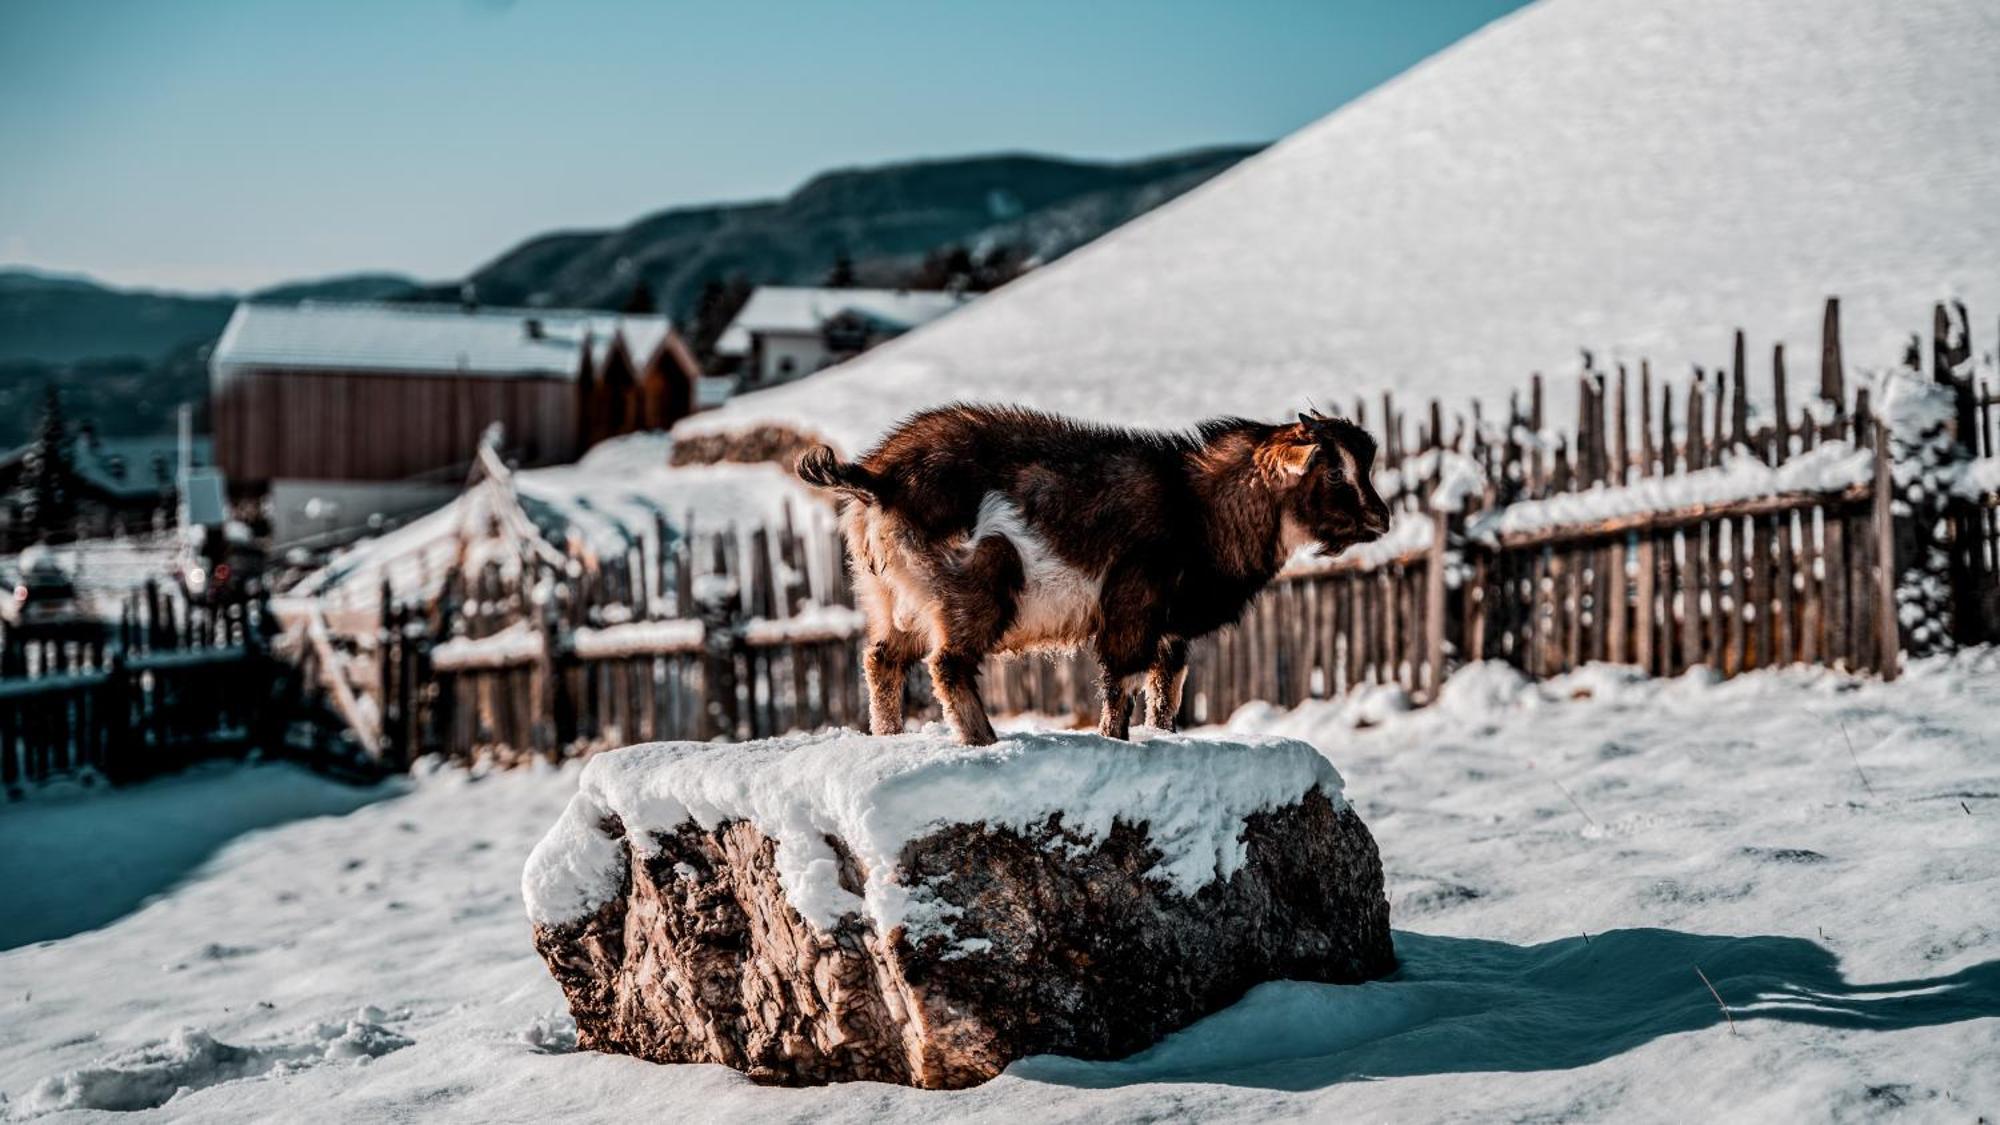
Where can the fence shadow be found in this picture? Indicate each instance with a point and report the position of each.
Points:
(1463, 1005)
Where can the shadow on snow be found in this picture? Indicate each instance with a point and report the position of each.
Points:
(76, 861)
(1463, 1005)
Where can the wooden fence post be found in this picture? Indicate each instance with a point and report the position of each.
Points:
(552, 735)
(1739, 396)
(1781, 434)
(1886, 632)
(388, 651)
(1434, 602)
(1831, 385)
(721, 618)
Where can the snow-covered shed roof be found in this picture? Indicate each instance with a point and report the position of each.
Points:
(643, 336)
(802, 309)
(611, 501)
(137, 466)
(125, 467)
(426, 338)
(1629, 176)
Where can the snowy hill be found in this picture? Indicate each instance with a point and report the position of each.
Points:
(1629, 176)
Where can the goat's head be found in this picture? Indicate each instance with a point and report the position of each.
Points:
(1323, 468)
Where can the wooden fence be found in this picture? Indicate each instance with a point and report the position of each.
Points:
(1619, 539)
(164, 686)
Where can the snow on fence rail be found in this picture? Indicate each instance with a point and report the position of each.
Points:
(1842, 533)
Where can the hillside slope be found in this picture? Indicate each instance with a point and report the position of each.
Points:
(884, 219)
(49, 318)
(57, 319)
(1622, 175)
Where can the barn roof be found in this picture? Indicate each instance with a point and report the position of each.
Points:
(426, 338)
(785, 308)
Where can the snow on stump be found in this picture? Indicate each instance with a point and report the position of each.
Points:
(839, 907)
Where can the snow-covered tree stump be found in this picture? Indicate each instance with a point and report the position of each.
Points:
(907, 910)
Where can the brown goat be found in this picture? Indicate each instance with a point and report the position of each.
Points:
(979, 529)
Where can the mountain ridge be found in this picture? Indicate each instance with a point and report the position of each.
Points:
(884, 219)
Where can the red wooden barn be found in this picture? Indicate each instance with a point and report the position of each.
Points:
(378, 403)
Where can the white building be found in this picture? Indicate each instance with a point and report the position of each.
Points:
(786, 332)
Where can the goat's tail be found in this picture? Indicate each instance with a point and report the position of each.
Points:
(822, 468)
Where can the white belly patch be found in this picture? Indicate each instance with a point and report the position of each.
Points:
(1059, 604)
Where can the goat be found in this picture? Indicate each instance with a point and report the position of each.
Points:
(975, 530)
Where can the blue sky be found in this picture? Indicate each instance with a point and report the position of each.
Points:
(210, 144)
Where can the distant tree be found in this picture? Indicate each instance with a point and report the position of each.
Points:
(641, 301)
(841, 276)
(1000, 265)
(717, 305)
(48, 475)
(946, 267)
(954, 268)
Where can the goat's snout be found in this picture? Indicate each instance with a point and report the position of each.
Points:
(1374, 523)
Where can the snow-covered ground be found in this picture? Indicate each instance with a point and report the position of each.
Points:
(1561, 859)
(1628, 176)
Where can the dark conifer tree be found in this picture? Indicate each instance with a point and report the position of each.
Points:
(641, 301)
(717, 305)
(49, 475)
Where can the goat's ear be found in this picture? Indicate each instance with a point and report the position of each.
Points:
(1288, 454)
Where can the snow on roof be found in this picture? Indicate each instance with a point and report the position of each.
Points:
(613, 499)
(127, 467)
(440, 338)
(795, 309)
(137, 466)
(1635, 177)
(643, 336)
(875, 795)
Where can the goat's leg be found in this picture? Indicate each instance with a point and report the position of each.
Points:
(1163, 684)
(1116, 719)
(885, 666)
(1127, 642)
(977, 598)
(955, 679)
